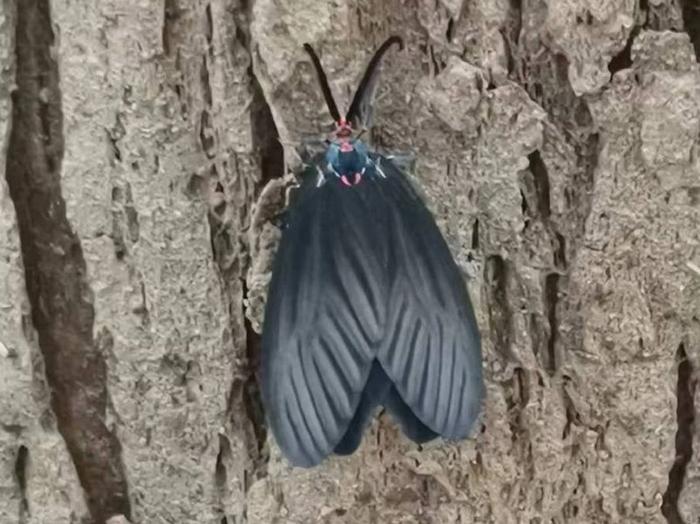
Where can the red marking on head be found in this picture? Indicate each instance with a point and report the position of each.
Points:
(342, 128)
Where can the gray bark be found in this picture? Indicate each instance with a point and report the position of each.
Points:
(144, 149)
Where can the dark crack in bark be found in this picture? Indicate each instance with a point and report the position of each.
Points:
(125, 220)
(560, 252)
(266, 144)
(269, 158)
(207, 130)
(517, 396)
(174, 26)
(265, 137)
(573, 417)
(541, 179)
(21, 463)
(475, 235)
(551, 298)
(623, 59)
(209, 29)
(685, 419)
(61, 308)
(544, 74)
(691, 21)
(542, 70)
(587, 154)
(252, 402)
(500, 313)
(171, 14)
(536, 205)
(511, 33)
(232, 255)
(220, 469)
(244, 400)
(221, 474)
(450, 31)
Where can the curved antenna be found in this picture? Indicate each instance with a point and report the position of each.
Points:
(327, 94)
(360, 108)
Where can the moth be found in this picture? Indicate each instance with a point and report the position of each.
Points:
(366, 306)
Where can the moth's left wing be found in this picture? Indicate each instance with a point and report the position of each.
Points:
(324, 315)
(431, 347)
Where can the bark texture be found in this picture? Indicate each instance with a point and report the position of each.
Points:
(144, 152)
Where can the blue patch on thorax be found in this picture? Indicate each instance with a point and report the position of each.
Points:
(347, 163)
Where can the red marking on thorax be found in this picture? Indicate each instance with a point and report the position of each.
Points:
(357, 180)
(343, 132)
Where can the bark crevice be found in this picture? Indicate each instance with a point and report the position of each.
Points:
(62, 312)
(171, 14)
(511, 34)
(232, 254)
(499, 313)
(691, 21)
(252, 403)
(541, 179)
(21, 463)
(266, 144)
(551, 298)
(623, 59)
(268, 155)
(685, 419)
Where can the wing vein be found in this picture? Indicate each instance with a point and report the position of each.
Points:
(302, 415)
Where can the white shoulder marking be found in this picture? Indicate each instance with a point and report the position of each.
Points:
(378, 168)
(321, 177)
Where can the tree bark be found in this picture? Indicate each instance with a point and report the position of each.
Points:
(145, 151)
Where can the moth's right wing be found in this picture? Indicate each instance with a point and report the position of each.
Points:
(431, 349)
(324, 315)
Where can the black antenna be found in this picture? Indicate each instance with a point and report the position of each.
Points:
(330, 102)
(367, 79)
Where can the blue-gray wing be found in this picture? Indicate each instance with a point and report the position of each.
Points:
(324, 318)
(431, 348)
(366, 307)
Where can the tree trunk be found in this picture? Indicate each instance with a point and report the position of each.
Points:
(144, 152)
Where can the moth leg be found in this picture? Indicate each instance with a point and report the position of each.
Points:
(404, 161)
(301, 153)
(320, 177)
